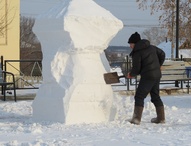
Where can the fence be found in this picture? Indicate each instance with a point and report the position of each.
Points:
(29, 73)
(32, 78)
(126, 67)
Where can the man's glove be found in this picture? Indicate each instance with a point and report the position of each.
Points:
(129, 76)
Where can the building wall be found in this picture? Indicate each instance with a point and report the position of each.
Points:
(10, 36)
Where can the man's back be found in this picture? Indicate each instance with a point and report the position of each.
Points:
(147, 60)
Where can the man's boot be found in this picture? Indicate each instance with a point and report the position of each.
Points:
(137, 115)
(160, 115)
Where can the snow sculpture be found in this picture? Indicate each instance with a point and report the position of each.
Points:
(73, 36)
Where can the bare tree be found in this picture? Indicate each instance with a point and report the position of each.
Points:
(5, 17)
(155, 35)
(30, 47)
(167, 17)
(27, 38)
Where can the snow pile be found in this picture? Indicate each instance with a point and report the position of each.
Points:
(167, 48)
(73, 36)
(186, 53)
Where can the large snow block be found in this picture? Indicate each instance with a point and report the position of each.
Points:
(73, 36)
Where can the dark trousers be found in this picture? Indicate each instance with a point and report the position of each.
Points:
(144, 88)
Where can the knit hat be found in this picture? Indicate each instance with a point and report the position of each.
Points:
(134, 38)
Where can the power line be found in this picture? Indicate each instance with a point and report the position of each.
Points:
(127, 19)
(142, 25)
(36, 1)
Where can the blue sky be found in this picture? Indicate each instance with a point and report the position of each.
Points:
(133, 18)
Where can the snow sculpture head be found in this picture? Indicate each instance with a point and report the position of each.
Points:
(96, 26)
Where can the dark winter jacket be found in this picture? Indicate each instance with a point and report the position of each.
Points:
(146, 60)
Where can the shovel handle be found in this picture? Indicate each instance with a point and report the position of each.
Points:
(122, 76)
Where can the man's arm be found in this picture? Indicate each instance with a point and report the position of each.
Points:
(136, 66)
(161, 56)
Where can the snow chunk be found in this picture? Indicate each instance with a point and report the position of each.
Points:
(174, 108)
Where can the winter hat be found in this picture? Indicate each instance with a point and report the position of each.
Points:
(134, 38)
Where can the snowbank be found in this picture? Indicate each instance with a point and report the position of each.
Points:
(167, 48)
(73, 36)
(186, 53)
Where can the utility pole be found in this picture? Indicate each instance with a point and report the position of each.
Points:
(172, 29)
(177, 34)
(177, 29)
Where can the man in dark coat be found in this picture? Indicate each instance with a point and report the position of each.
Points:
(146, 62)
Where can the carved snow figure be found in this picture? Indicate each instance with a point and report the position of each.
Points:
(73, 36)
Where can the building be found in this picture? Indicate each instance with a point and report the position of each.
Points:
(10, 32)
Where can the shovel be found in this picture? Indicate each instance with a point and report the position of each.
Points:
(111, 78)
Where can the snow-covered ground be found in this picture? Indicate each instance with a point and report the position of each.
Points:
(18, 129)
